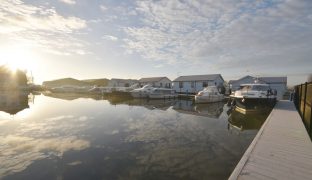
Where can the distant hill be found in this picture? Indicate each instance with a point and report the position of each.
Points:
(75, 82)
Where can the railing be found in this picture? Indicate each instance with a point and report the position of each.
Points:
(303, 100)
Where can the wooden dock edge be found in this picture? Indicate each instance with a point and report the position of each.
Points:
(242, 163)
(239, 167)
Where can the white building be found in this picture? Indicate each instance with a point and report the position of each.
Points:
(156, 82)
(122, 82)
(195, 83)
(278, 83)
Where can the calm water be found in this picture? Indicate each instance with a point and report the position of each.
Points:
(74, 137)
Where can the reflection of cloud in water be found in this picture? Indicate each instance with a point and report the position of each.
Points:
(174, 143)
(38, 139)
(60, 118)
(18, 152)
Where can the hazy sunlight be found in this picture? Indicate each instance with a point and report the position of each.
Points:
(18, 58)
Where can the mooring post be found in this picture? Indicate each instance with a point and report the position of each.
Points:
(304, 100)
(300, 95)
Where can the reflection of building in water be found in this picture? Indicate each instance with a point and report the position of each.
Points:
(147, 103)
(212, 110)
(251, 121)
(13, 102)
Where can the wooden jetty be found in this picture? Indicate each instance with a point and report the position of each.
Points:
(186, 96)
(282, 148)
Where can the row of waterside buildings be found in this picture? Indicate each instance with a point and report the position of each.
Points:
(194, 83)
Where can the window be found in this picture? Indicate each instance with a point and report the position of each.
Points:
(205, 84)
(192, 84)
(160, 84)
(181, 84)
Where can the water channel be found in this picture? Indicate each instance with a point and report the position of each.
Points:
(74, 136)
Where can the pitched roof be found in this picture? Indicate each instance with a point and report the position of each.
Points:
(264, 79)
(274, 79)
(152, 79)
(123, 80)
(206, 77)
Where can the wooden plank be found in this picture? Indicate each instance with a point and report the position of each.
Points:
(282, 148)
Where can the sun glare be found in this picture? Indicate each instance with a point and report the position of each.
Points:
(18, 58)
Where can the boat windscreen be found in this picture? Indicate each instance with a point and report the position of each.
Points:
(260, 88)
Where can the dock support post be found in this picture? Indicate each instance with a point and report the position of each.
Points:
(310, 130)
(300, 112)
(304, 100)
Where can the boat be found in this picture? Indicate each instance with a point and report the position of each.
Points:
(208, 95)
(69, 89)
(142, 92)
(100, 90)
(253, 97)
(162, 93)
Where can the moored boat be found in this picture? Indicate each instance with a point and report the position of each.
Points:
(253, 97)
(208, 95)
(69, 89)
(142, 92)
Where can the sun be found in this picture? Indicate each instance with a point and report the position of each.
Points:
(18, 58)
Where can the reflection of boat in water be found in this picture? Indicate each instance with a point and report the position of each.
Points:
(73, 96)
(147, 103)
(148, 91)
(162, 93)
(13, 102)
(253, 97)
(250, 121)
(208, 95)
(212, 110)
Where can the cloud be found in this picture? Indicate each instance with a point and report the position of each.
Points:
(110, 37)
(103, 8)
(223, 33)
(71, 2)
(40, 26)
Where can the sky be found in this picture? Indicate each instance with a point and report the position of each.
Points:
(87, 39)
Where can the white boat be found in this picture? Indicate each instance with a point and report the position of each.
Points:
(162, 93)
(100, 90)
(70, 89)
(253, 97)
(208, 95)
(142, 92)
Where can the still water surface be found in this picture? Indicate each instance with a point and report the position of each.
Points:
(68, 136)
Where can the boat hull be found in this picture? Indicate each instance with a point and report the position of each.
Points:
(253, 104)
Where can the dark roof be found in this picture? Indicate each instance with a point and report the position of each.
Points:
(152, 79)
(207, 77)
(233, 81)
(264, 79)
(274, 79)
(123, 80)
